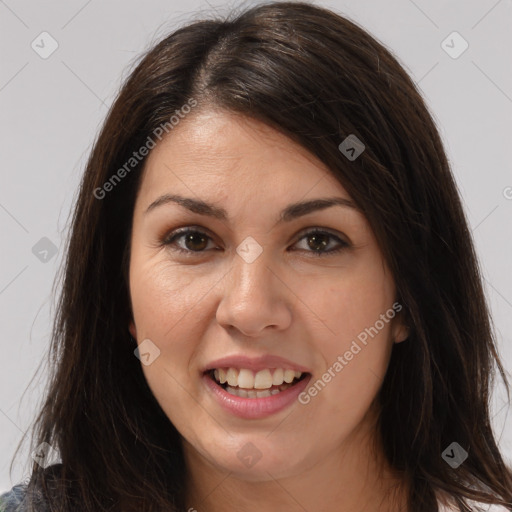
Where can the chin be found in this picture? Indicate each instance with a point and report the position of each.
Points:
(258, 460)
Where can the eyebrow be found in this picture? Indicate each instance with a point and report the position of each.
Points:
(291, 212)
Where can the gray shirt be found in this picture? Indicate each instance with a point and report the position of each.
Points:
(17, 500)
(13, 500)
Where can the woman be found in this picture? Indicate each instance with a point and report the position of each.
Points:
(271, 296)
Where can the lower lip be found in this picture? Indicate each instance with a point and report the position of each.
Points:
(255, 408)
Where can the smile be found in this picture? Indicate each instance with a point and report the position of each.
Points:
(248, 384)
(249, 394)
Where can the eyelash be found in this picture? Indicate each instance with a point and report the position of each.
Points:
(171, 239)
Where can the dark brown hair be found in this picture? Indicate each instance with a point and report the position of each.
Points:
(316, 77)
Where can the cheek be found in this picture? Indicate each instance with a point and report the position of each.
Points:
(346, 303)
(354, 339)
(165, 296)
(166, 306)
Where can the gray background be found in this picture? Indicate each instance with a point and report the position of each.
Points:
(52, 109)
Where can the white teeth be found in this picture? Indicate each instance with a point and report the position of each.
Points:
(278, 377)
(289, 375)
(232, 377)
(241, 392)
(248, 380)
(251, 393)
(263, 380)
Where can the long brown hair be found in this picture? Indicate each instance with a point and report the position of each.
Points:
(316, 77)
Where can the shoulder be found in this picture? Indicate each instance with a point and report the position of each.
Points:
(11, 500)
(17, 498)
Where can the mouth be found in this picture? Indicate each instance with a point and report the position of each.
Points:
(255, 387)
(246, 383)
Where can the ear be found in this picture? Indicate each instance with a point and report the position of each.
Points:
(132, 329)
(400, 331)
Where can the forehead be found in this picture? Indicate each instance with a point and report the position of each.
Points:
(215, 151)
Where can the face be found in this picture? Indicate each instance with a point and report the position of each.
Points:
(232, 279)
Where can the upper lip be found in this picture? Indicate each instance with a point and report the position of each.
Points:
(255, 363)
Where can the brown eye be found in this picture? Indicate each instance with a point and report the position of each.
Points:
(318, 242)
(188, 240)
(195, 241)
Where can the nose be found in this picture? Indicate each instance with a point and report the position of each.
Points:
(254, 297)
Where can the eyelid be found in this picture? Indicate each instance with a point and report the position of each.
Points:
(332, 232)
(342, 244)
(175, 233)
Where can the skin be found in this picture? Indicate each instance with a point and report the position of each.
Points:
(325, 455)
